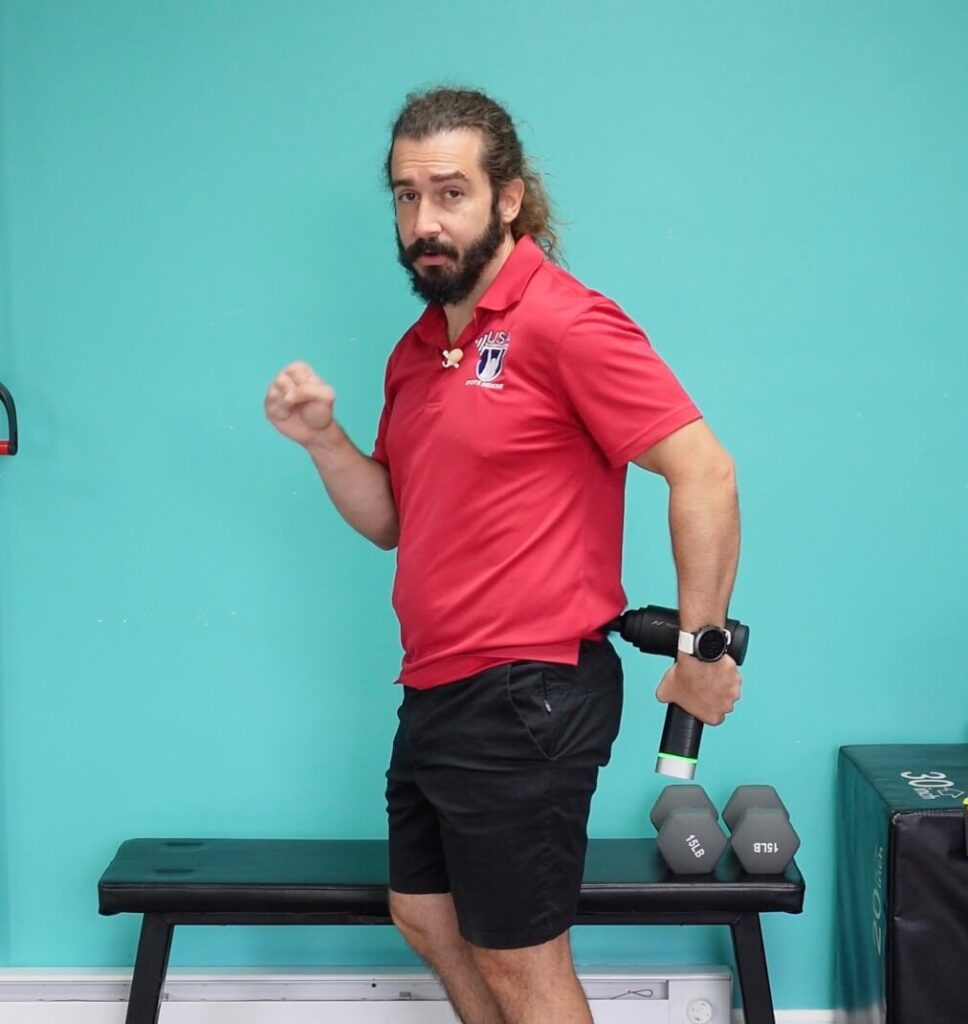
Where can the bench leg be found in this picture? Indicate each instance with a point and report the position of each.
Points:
(754, 981)
(148, 980)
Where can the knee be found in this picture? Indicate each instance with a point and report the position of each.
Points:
(508, 970)
(499, 968)
(426, 922)
(407, 922)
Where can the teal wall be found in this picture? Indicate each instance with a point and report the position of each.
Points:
(191, 641)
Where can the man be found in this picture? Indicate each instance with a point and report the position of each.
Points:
(512, 408)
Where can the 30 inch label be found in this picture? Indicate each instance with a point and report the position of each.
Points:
(932, 785)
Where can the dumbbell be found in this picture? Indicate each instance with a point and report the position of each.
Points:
(761, 835)
(690, 839)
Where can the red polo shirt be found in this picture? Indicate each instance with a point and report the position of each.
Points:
(508, 471)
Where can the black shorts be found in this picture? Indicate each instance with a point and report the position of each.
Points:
(489, 788)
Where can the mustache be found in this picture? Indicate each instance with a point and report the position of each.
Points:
(425, 247)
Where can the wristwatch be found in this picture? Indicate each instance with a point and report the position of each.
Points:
(708, 643)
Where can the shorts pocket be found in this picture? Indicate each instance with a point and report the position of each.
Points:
(543, 696)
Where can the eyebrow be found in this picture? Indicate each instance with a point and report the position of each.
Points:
(435, 179)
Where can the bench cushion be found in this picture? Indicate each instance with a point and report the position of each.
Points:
(349, 877)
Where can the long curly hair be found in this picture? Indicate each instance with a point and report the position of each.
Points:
(443, 109)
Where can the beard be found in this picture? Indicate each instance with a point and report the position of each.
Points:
(442, 283)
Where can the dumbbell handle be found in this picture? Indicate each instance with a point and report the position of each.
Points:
(655, 630)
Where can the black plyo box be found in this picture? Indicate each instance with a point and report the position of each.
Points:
(901, 951)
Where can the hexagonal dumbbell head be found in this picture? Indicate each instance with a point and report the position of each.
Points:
(690, 839)
(691, 842)
(762, 837)
(674, 798)
(745, 797)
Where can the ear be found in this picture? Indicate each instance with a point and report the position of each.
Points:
(512, 195)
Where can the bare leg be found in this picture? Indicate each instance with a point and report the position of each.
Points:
(429, 924)
(536, 984)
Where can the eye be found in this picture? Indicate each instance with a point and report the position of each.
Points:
(454, 193)
(405, 197)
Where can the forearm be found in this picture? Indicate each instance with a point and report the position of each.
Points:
(358, 486)
(704, 523)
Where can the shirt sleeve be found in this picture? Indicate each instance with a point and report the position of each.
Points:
(623, 392)
(380, 445)
(379, 453)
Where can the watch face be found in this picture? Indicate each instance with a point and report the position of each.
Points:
(710, 645)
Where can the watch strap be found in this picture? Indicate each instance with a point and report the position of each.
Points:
(687, 642)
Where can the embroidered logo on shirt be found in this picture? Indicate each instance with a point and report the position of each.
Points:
(493, 347)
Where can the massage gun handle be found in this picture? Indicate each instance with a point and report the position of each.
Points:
(679, 746)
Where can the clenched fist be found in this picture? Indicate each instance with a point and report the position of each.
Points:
(707, 690)
(299, 404)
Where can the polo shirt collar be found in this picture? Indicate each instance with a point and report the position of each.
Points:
(505, 290)
(513, 277)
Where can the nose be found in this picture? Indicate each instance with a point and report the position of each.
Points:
(427, 224)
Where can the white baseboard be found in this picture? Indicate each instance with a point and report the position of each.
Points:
(376, 995)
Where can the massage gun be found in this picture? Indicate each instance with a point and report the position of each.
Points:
(655, 630)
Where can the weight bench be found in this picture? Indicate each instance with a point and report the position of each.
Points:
(343, 881)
